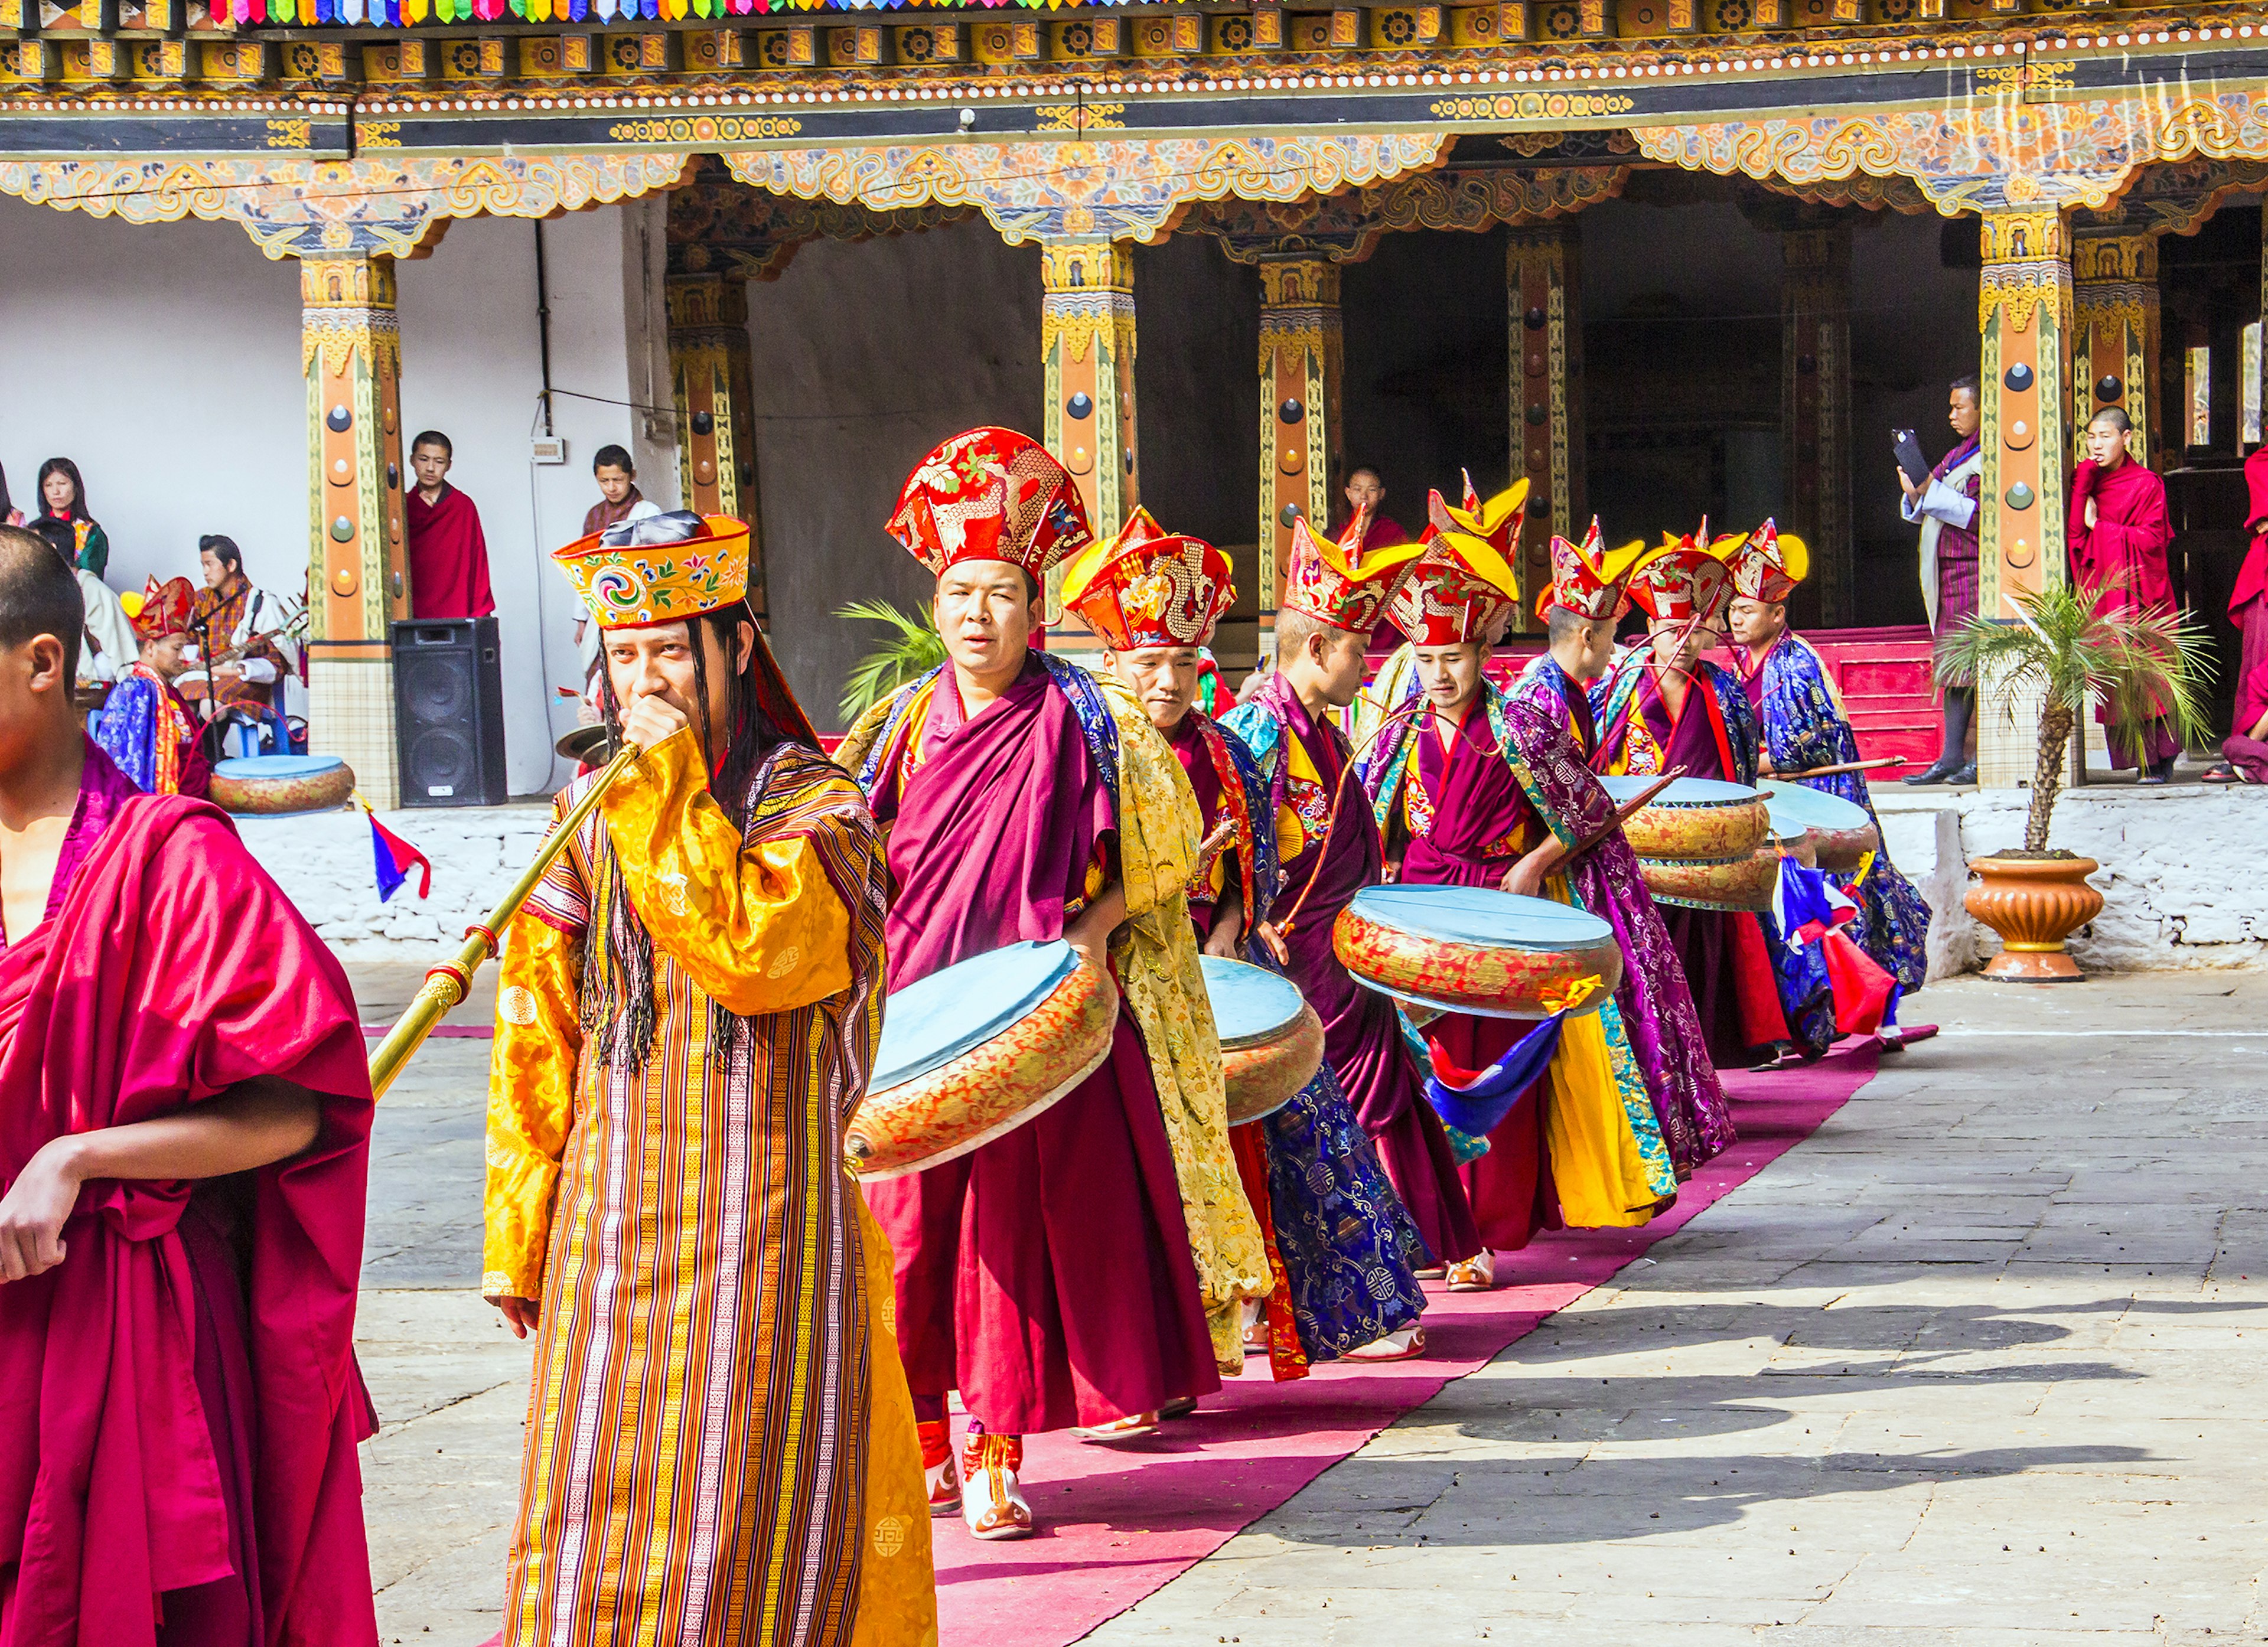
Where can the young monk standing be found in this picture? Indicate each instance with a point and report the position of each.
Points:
(184, 1152)
(719, 1431)
(2119, 531)
(1339, 1240)
(1328, 846)
(1089, 1267)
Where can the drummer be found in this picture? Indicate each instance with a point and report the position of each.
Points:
(1328, 846)
(1663, 706)
(1340, 1261)
(1472, 788)
(1803, 726)
(1090, 1267)
(1588, 596)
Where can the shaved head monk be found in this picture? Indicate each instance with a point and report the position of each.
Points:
(183, 1152)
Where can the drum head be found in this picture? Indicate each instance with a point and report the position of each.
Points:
(274, 768)
(1250, 1005)
(1680, 792)
(1795, 809)
(933, 1020)
(1480, 915)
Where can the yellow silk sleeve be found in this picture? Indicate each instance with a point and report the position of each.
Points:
(757, 926)
(531, 1072)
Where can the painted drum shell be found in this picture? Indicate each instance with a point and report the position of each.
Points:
(1490, 979)
(1837, 833)
(1727, 884)
(1842, 852)
(1668, 827)
(1263, 1075)
(1019, 1074)
(266, 786)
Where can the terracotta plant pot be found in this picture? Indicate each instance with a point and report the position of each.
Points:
(2033, 904)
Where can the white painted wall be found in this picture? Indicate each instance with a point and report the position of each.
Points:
(165, 361)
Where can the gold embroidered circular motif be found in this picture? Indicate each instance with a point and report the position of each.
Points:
(516, 1005)
(889, 1535)
(789, 958)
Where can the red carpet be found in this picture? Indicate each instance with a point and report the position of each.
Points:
(1117, 1524)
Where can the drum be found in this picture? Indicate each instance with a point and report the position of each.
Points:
(1473, 949)
(976, 1050)
(1840, 832)
(266, 786)
(1271, 1042)
(1694, 820)
(1726, 884)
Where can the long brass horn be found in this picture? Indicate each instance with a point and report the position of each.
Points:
(446, 984)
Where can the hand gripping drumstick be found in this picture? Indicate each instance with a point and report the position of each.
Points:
(447, 984)
(1552, 862)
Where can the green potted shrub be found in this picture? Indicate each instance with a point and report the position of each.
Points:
(912, 649)
(2066, 655)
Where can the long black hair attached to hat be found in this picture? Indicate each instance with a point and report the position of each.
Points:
(761, 714)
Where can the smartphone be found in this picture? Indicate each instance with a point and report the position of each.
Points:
(1910, 456)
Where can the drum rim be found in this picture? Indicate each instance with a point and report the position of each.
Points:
(1635, 784)
(1211, 965)
(1775, 789)
(263, 766)
(1065, 965)
(1364, 906)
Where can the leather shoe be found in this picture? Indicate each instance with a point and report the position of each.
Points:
(1936, 772)
(1964, 775)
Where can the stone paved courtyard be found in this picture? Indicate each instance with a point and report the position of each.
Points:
(1979, 1362)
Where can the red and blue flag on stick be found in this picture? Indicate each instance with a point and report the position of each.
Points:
(395, 858)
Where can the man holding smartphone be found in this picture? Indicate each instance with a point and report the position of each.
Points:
(1945, 505)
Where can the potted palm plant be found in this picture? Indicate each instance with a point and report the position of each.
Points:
(910, 650)
(2065, 654)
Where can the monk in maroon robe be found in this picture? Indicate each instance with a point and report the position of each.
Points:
(2248, 610)
(448, 554)
(183, 1150)
(2119, 531)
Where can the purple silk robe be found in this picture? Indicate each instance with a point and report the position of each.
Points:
(1362, 1032)
(1477, 822)
(1046, 1275)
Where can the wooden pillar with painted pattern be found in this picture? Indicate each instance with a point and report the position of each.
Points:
(1543, 300)
(358, 547)
(1303, 439)
(2024, 316)
(2114, 275)
(1086, 345)
(712, 378)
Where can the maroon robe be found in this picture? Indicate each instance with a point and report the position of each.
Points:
(603, 514)
(448, 557)
(177, 1453)
(1726, 967)
(1046, 1275)
(1362, 1032)
(2123, 555)
(1477, 822)
(1189, 746)
(2248, 602)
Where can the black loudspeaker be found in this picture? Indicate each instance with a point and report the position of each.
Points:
(448, 712)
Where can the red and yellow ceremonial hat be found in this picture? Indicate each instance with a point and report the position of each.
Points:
(1458, 591)
(1589, 579)
(1765, 565)
(1679, 581)
(651, 577)
(1340, 583)
(1148, 587)
(991, 494)
(161, 609)
(1496, 523)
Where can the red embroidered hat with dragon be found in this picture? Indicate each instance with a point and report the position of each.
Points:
(1680, 581)
(162, 609)
(1589, 579)
(1464, 585)
(1765, 565)
(1340, 583)
(991, 494)
(1149, 587)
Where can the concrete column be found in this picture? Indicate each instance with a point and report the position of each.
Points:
(1544, 299)
(1815, 411)
(1086, 345)
(709, 377)
(1302, 441)
(2024, 314)
(2115, 336)
(358, 572)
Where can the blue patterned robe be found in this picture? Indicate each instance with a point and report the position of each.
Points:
(1347, 1242)
(1804, 727)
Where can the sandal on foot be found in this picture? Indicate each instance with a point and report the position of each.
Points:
(2222, 774)
(992, 1497)
(1476, 1274)
(1410, 1341)
(1140, 1427)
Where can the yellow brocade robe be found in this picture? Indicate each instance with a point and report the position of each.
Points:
(1155, 955)
(720, 1446)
